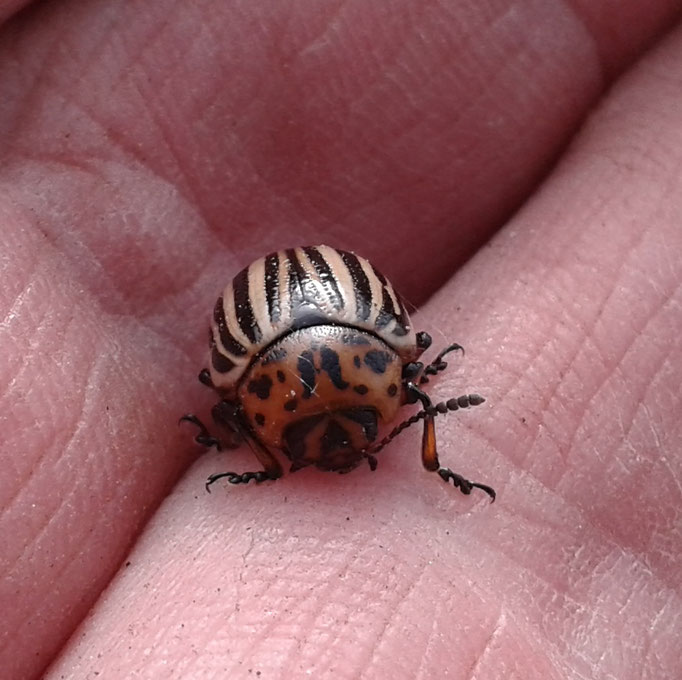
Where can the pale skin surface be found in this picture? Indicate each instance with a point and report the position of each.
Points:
(148, 153)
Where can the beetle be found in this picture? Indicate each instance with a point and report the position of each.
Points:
(310, 351)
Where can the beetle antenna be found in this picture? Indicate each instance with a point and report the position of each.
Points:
(465, 401)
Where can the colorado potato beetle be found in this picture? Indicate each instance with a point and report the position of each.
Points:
(311, 350)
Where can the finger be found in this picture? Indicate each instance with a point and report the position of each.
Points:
(408, 136)
(136, 157)
(8, 8)
(577, 314)
(571, 320)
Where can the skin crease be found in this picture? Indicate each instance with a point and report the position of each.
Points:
(149, 150)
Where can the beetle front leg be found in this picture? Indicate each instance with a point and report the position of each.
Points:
(438, 365)
(238, 477)
(272, 471)
(203, 437)
(225, 415)
(429, 451)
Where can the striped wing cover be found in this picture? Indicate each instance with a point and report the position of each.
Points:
(297, 288)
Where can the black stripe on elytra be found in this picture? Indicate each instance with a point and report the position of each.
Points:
(297, 276)
(307, 318)
(363, 291)
(388, 310)
(226, 338)
(306, 369)
(243, 309)
(220, 362)
(272, 286)
(331, 365)
(326, 276)
(401, 327)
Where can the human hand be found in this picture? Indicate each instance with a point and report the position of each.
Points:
(150, 150)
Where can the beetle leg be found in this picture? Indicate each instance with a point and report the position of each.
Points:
(203, 437)
(429, 452)
(438, 365)
(464, 485)
(238, 478)
(273, 470)
(226, 415)
(371, 460)
(410, 373)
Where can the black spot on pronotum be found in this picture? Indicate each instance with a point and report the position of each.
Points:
(330, 364)
(377, 360)
(280, 376)
(392, 390)
(306, 369)
(356, 361)
(260, 386)
(361, 389)
(260, 419)
(291, 405)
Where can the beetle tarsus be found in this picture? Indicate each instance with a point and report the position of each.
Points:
(464, 485)
(438, 365)
(238, 478)
(203, 437)
(371, 461)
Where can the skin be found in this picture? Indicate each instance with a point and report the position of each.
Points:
(149, 150)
